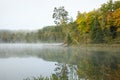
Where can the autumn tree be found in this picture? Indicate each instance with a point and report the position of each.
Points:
(116, 18)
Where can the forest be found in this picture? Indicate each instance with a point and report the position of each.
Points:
(99, 26)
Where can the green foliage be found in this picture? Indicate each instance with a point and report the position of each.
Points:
(69, 40)
(96, 32)
(96, 63)
(51, 34)
(116, 5)
(103, 28)
(7, 36)
(60, 15)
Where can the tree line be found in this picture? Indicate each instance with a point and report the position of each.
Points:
(97, 26)
(100, 25)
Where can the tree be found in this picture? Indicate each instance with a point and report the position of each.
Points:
(60, 15)
(109, 21)
(116, 17)
(96, 32)
(81, 22)
(116, 5)
(61, 18)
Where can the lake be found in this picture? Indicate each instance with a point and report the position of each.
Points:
(20, 61)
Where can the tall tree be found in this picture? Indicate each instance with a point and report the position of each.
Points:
(60, 15)
(61, 18)
(96, 32)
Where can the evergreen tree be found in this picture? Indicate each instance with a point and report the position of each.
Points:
(96, 33)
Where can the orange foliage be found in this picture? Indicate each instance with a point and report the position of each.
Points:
(109, 18)
(116, 17)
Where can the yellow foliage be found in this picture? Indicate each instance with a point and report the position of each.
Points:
(109, 18)
(118, 30)
(116, 17)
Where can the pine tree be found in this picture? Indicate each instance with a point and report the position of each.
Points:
(96, 33)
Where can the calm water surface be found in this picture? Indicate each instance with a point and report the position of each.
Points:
(19, 61)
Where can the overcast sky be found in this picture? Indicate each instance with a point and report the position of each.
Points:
(35, 14)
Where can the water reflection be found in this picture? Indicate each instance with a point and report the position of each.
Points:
(93, 64)
(100, 65)
(19, 68)
(65, 72)
(72, 63)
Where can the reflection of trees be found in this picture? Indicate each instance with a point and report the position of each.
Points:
(100, 65)
(61, 71)
(95, 65)
(65, 72)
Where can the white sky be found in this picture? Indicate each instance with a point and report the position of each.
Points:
(35, 14)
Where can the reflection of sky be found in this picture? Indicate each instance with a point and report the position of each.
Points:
(19, 68)
(34, 14)
(21, 60)
(18, 61)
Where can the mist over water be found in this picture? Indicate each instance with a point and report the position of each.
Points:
(26, 49)
(21, 60)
